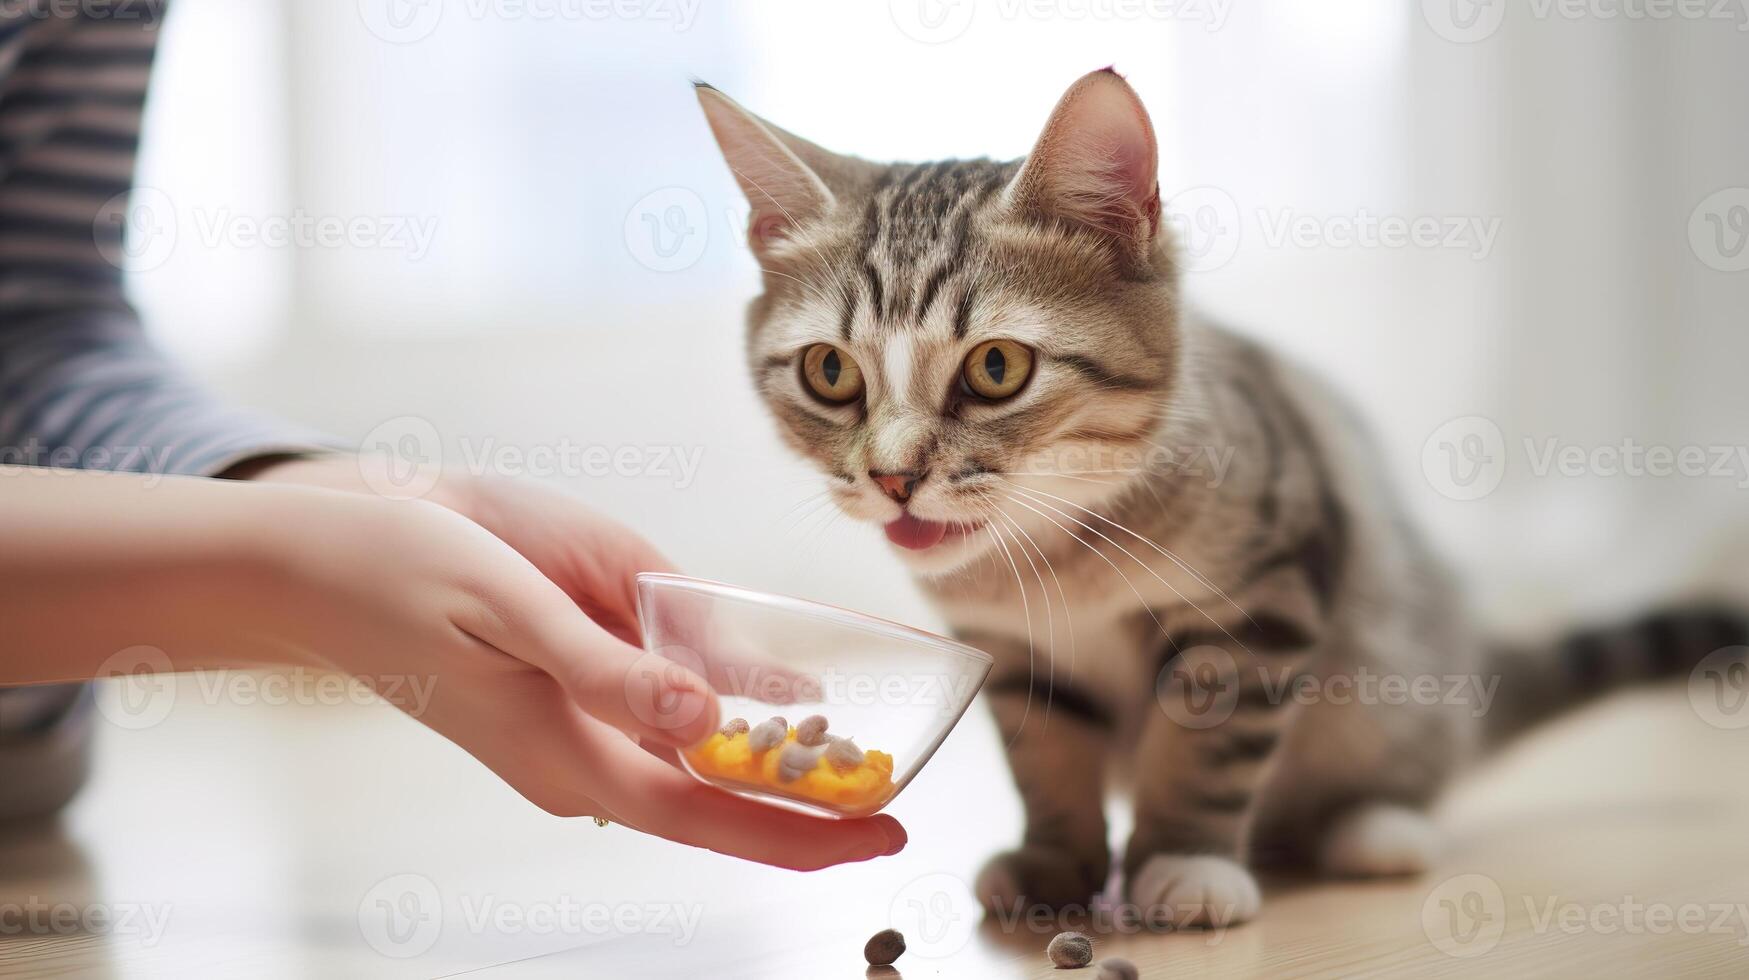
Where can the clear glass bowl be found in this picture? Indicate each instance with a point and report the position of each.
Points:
(894, 691)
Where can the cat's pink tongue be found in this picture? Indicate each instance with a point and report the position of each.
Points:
(916, 533)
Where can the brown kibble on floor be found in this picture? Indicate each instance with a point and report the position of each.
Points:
(1118, 969)
(884, 947)
(1070, 950)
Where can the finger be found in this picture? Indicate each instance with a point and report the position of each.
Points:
(609, 565)
(581, 766)
(629, 688)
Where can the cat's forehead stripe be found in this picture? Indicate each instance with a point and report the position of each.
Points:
(920, 218)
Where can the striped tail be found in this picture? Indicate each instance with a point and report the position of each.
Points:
(1538, 683)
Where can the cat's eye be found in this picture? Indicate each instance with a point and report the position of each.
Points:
(831, 374)
(995, 369)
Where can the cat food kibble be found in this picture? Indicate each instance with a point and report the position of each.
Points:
(1118, 969)
(884, 947)
(795, 761)
(1070, 951)
(772, 758)
(767, 735)
(812, 730)
(735, 726)
(843, 754)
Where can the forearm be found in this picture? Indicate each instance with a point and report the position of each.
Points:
(93, 564)
(85, 389)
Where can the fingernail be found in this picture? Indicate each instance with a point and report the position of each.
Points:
(896, 840)
(695, 717)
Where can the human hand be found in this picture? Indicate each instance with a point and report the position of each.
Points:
(537, 674)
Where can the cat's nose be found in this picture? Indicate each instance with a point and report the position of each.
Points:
(897, 486)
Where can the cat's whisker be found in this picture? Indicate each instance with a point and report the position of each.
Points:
(1147, 568)
(1050, 619)
(1068, 618)
(1195, 575)
(798, 505)
(995, 514)
(1143, 602)
(814, 505)
(813, 288)
(756, 186)
(1026, 611)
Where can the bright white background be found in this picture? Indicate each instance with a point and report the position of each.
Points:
(528, 137)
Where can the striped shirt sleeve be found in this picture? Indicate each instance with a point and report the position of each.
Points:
(81, 386)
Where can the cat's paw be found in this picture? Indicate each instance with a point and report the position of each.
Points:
(1200, 890)
(1379, 840)
(1036, 876)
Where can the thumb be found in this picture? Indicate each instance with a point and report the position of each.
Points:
(638, 692)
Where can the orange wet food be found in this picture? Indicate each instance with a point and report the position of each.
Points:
(730, 759)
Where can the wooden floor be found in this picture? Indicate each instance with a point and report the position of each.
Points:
(329, 840)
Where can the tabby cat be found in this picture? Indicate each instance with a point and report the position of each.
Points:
(1178, 547)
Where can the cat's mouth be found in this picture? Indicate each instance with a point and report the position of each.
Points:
(917, 534)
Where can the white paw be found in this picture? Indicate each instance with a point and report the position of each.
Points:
(1195, 890)
(1380, 840)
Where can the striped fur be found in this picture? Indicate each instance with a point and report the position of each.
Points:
(80, 385)
(1183, 627)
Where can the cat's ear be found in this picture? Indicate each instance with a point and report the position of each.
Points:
(1095, 165)
(773, 168)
